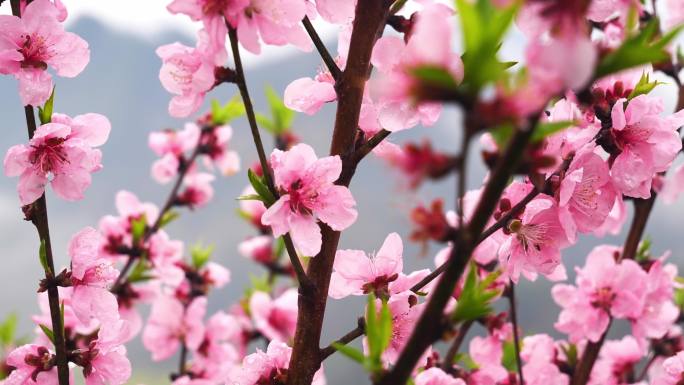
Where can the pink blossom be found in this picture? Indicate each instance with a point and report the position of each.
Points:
(35, 41)
(29, 362)
(275, 318)
(356, 273)
(197, 191)
(61, 153)
(616, 360)
(660, 312)
(396, 61)
(216, 357)
(308, 95)
(215, 145)
(276, 22)
(404, 317)
(170, 324)
(105, 361)
(174, 142)
(211, 13)
(336, 11)
(674, 185)
(252, 210)
(535, 240)
(91, 276)
(604, 288)
(268, 367)
(187, 73)
(436, 376)
(586, 194)
(539, 353)
(674, 15)
(644, 144)
(672, 372)
(487, 352)
(258, 248)
(308, 193)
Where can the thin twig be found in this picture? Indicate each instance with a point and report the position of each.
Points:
(516, 337)
(353, 334)
(448, 362)
(322, 50)
(241, 82)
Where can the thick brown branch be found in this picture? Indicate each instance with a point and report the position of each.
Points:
(426, 330)
(368, 21)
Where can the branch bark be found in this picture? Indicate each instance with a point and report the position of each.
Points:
(306, 357)
(426, 331)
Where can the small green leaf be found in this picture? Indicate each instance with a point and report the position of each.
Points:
(372, 331)
(168, 217)
(8, 328)
(265, 122)
(200, 254)
(509, 359)
(260, 187)
(644, 251)
(282, 116)
(233, 109)
(434, 76)
(250, 197)
(138, 227)
(546, 129)
(570, 351)
(48, 332)
(483, 26)
(385, 326)
(279, 247)
(139, 273)
(502, 134)
(476, 296)
(644, 86)
(45, 112)
(643, 48)
(42, 256)
(350, 352)
(466, 360)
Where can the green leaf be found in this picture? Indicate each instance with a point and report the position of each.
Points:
(644, 86)
(483, 27)
(233, 109)
(571, 353)
(250, 197)
(138, 227)
(279, 247)
(643, 48)
(502, 134)
(546, 129)
(8, 328)
(282, 116)
(139, 273)
(260, 187)
(372, 331)
(168, 217)
(476, 296)
(45, 112)
(42, 256)
(385, 326)
(350, 352)
(508, 360)
(434, 76)
(466, 360)
(200, 254)
(644, 251)
(265, 122)
(48, 332)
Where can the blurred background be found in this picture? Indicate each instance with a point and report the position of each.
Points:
(122, 83)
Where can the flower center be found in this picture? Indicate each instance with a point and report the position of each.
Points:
(603, 298)
(35, 52)
(49, 155)
(300, 198)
